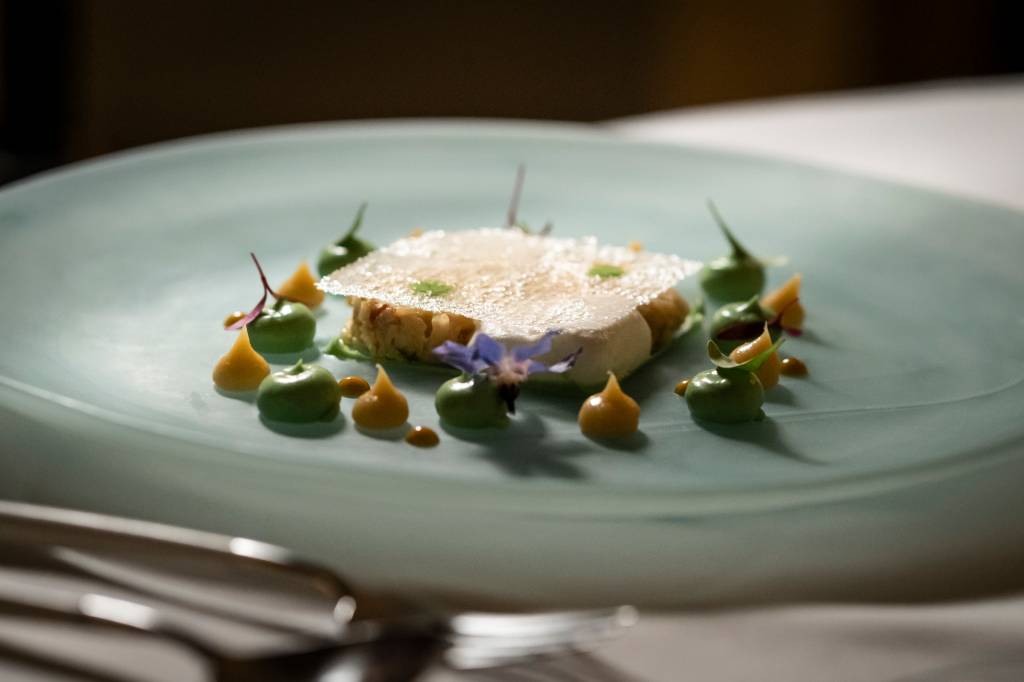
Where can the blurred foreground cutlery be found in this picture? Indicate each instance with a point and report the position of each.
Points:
(144, 576)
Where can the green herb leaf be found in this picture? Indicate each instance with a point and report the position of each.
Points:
(431, 287)
(737, 249)
(356, 224)
(605, 270)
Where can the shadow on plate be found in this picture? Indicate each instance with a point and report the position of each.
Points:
(312, 430)
(310, 354)
(634, 442)
(520, 448)
(810, 336)
(241, 396)
(395, 434)
(781, 395)
(764, 434)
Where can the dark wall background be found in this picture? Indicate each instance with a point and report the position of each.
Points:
(89, 77)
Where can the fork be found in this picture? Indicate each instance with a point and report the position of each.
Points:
(462, 641)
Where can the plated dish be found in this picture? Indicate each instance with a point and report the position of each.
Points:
(915, 380)
(504, 307)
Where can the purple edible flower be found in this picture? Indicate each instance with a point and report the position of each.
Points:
(506, 368)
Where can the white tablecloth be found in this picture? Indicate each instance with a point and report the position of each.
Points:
(965, 138)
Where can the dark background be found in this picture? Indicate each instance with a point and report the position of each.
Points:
(90, 77)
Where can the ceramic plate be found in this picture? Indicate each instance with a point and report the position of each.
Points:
(117, 274)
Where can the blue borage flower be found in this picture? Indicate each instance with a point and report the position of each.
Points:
(507, 368)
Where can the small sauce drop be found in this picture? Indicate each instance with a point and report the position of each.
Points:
(301, 287)
(382, 407)
(422, 437)
(241, 368)
(794, 367)
(232, 318)
(353, 387)
(681, 387)
(635, 247)
(610, 413)
(768, 373)
(413, 233)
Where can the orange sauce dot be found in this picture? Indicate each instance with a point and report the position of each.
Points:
(794, 367)
(353, 387)
(232, 318)
(681, 387)
(422, 437)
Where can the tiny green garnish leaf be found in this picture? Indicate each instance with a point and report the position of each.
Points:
(605, 270)
(694, 319)
(723, 361)
(357, 222)
(431, 287)
(737, 249)
(343, 351)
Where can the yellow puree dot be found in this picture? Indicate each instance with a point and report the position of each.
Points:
(353, 387)
(382, 407)
(301, 287)
(768, 373)
(610, 413)
(242, 368)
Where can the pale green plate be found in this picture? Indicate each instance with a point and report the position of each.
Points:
(116, 275)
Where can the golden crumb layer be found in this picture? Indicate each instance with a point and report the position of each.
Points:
(400, 333)
(403, 333)
(664, 314)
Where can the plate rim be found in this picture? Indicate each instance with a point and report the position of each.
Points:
(661, 503)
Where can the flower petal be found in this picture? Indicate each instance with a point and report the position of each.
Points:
(566, 363)
(538, 347)
(458, 356)
(487, 349)
(534, 367)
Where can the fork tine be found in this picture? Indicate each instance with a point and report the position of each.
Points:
(56, 533)
(481, 640)
(38, 525)
(505, 624)
(16, 655)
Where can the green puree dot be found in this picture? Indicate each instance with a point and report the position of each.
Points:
(605, 270)
(299, 394)
(431, 287)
